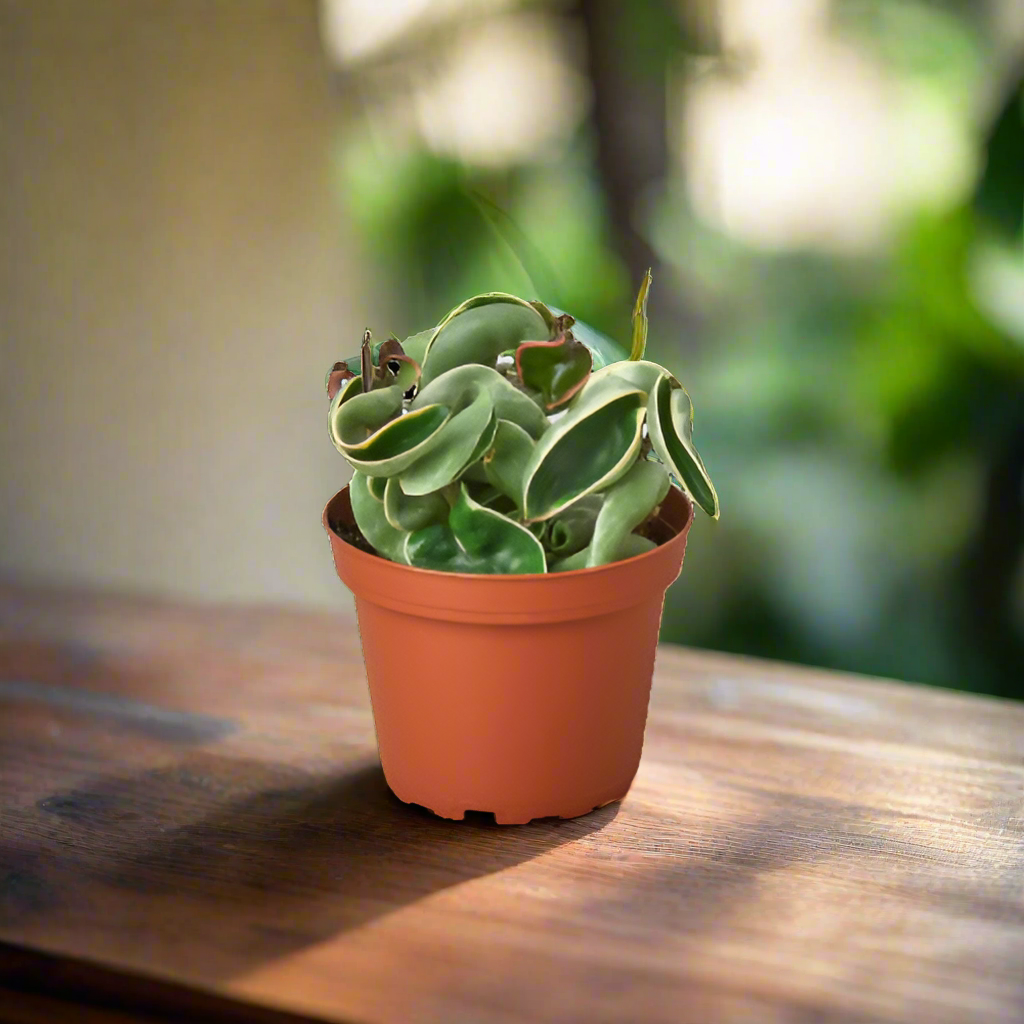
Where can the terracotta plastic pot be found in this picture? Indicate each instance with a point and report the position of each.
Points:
(525, 696)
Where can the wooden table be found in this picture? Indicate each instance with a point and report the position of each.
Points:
(191, 795)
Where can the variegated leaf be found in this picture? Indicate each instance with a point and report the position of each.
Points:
(586, 451)
(627, 503)
(372, 523)
(376, 439)
(409, 513)
(458, 440)
(477, 540)
(505, 463)
(670, 428)
(572, 530)
(451, 388)
(497, 542)
(478, 331)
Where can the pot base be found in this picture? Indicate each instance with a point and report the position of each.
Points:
(511, 816)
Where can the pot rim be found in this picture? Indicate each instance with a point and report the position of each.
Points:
(526, 577)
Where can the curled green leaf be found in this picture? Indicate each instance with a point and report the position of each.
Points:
(458, 439)
(404, 372)
(577, 560)
(494, 540)
(478, 331)
(586, 451)
(572, 530)
(434, 547)
(372, 523)
(627, 503)
(475, 539)
(505, 463)
(354, 422)
(509, 402)
(376, 439)
(409, 513)
(670, 428)
(641, 374)
(632, 545)
(484, 444)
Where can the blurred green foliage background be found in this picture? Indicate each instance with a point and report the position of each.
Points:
(831, 196)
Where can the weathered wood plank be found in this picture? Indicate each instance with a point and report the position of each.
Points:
(192, 793)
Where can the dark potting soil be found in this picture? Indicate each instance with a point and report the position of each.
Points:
(654, 528)
(351, 535)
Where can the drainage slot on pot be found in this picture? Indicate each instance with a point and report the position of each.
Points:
(481, 817)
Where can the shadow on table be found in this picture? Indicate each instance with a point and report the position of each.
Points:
(215, 866)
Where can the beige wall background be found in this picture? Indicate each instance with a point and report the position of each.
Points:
(174, 285)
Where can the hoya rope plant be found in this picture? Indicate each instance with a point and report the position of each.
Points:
(512, 439)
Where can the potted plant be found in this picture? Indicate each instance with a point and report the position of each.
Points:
(509, 533)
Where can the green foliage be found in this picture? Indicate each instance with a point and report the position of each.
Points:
(479, 330)
(644, 486)
(487, 445)
(670, 421)
(587, 451)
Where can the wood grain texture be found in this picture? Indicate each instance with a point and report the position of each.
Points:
(192, 793)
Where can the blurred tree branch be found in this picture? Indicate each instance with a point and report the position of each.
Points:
(990, 568)
(627, 51)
